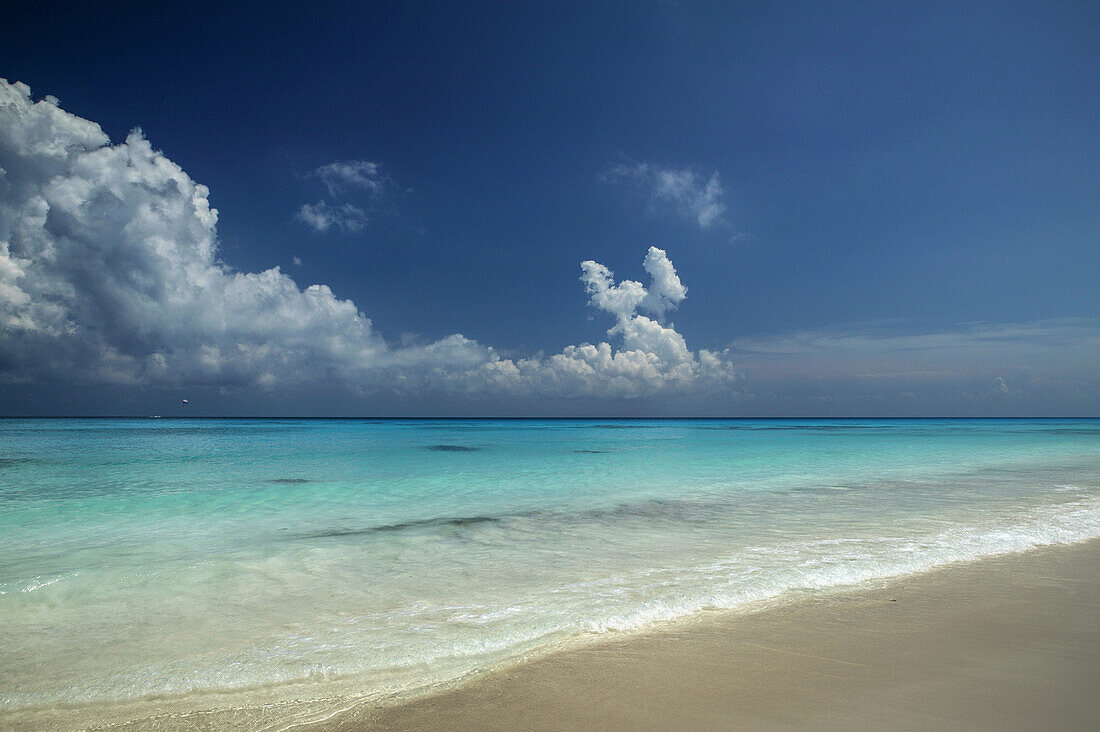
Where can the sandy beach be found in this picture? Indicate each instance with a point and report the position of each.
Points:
(1007, 643)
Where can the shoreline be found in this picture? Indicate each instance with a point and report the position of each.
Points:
(1007, 642)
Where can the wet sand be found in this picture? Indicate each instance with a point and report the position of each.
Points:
(1006, 643)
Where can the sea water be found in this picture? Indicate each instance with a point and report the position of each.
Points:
(153, 558)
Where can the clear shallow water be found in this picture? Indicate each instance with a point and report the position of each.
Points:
(161, 557)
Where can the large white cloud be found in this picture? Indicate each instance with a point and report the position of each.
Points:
(109, 274)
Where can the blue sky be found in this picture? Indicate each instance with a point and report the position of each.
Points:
(876, 208)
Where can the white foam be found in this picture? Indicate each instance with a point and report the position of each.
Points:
(405, 647)
(38, 583)
(803, 566)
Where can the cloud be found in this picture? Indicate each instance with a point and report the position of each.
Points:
(1067, 346)
(664, 293)
(666, 290)
(109, 274)
(344, 175)
(322, 216)
(1039, 367)
(688, 192)
(360, 180)
(653, 356)
(110, 278)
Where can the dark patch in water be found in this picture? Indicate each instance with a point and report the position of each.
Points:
(820, 428)
(457, 521)
(12, 462)
(805, 428)
(123, 432)
(724, 427)
(668, 511)
(592, 452)
(452, 448)
(445, 425)
(656, 509)
(623, 426)
(291, 481)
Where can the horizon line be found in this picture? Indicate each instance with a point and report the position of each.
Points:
(534, 417)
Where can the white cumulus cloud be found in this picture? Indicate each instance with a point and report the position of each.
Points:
(653, 356)
(109, 273)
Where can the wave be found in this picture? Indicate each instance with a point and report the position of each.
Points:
(811, 567)
(462, 637)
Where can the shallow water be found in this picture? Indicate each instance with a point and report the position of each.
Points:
(164, 557)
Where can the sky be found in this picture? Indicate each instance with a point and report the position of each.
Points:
(550, 209)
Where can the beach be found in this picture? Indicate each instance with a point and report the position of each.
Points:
(1008, 642)
(270, 574)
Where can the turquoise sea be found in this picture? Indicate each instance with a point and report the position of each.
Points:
(154, 558)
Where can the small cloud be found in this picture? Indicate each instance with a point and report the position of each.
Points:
(322, 216)
(1000, 385)
(296, 261)
(355, 187)
(691, 193)
(343, 176)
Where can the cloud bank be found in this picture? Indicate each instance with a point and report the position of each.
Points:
(1067, 347)
(109, 274)
(1000, 369)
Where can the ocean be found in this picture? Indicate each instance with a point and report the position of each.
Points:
(169, 558)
